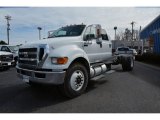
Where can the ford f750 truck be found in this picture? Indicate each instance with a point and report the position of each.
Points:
(70, 57)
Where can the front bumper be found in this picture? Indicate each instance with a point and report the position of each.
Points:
(46, 77)
(6, 64)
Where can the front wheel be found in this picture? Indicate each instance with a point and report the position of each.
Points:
(76, 81)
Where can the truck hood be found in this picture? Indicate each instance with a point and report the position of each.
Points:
(5, 53)
(52, 42)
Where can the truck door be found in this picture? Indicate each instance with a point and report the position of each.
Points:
(95, 51)
(107, 45)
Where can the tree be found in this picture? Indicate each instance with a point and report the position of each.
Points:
(3, 42)
(127, 34)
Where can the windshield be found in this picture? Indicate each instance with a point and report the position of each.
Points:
(123, 49)
(74, 30)
(14, 48)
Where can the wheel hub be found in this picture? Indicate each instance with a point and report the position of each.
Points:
(77, 80)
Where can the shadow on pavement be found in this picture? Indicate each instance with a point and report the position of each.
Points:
(22, 98)
(95, 84)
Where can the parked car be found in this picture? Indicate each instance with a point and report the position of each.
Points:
(123, 50)
(6, 60)
(12, 49)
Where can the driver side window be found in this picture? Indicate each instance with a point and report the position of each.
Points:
(61, 33)
(90, 33)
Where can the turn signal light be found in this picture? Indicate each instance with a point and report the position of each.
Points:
(60, 60)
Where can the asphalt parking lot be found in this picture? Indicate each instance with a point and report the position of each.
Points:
(137, 91)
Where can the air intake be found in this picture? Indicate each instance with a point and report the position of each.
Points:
(41, 53)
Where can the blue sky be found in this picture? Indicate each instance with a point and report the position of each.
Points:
(25, 20)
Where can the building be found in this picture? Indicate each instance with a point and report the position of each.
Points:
(151, 34)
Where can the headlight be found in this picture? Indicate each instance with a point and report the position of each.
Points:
(54, 60)
(59, 60)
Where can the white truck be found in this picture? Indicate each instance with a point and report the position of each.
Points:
(12, 49)
(70, 57)
(6, 60)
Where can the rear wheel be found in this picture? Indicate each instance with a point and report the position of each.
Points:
(127, 63)
(108, 66)
(76, 81)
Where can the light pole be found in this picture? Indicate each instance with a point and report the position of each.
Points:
(142, 49)
(39, 28)
(115, 28)
(8, 18)
(132, 23)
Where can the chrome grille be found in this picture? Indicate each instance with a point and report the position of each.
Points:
(28, 50)
(28, 57)
(6, 58)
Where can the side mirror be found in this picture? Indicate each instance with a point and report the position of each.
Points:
(99, 39)
(98, 33)
(86, 37)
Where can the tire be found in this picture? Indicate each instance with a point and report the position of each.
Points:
(116, 62)
(108, 66)
(15, 61)
(75, 82)
(127, 63)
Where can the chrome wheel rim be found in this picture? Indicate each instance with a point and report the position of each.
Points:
(77, 80)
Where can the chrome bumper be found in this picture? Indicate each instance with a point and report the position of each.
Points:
(6, 64)
(42, 76)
